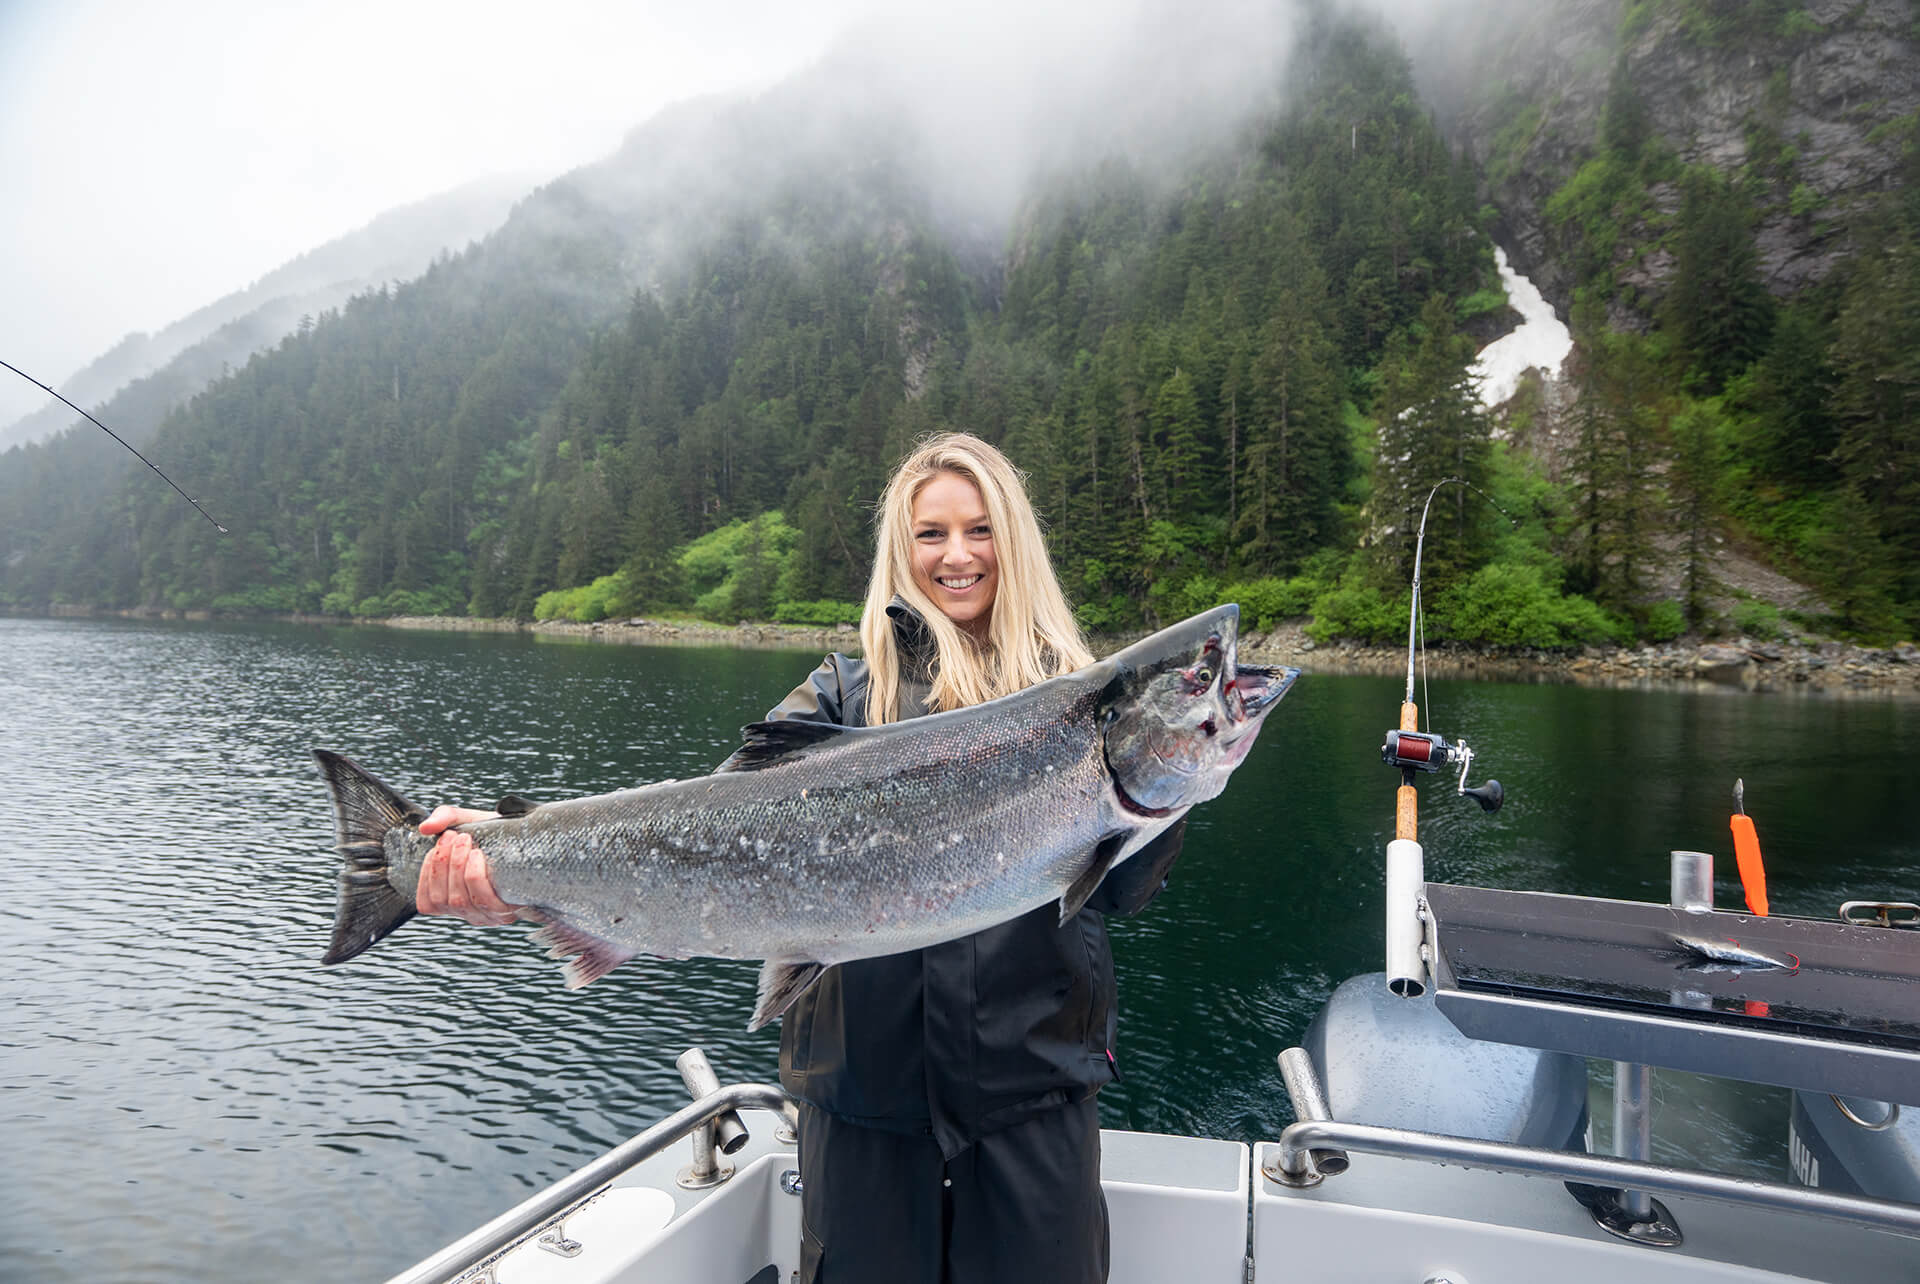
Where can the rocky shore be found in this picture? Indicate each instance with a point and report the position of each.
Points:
(1744, 663)
(1740, 663)
(1751, 664)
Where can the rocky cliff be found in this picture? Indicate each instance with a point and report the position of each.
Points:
(1809, 105)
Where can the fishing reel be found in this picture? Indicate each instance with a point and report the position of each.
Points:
(1423, 751)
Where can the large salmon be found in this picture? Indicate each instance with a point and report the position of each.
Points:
(815, 844)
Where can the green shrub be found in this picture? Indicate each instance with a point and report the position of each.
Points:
(825, 613)
(1664, 622)
(1190, 596)
(1359, 611)
(260, 597)
(1108, 615)
(1265, 602)
(1507, 604)
(1479, 303)
(1798, 22)
(715, 604)
(732, 572)
(1759, 619)
(1804, 200)
(605, 597)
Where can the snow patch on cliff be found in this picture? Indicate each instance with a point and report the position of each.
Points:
(1542, 340)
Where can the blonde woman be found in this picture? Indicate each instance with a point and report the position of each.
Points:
(948, 1125)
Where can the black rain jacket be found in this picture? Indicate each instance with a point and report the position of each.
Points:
(966, 1037)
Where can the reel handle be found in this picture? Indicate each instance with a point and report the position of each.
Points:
(1489, 795)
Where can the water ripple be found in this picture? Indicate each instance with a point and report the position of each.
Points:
(171, 1048)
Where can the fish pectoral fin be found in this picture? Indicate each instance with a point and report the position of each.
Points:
(588, 957)
(780, 984)
(1105, 856)
(770, 743)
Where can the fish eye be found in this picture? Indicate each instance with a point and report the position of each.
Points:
(1204, 676)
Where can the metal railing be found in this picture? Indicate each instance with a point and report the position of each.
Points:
(1292, 1166)
(492, 1241)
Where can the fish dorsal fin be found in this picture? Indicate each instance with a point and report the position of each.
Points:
(770, 743)
(1105, 857)
(514, 805)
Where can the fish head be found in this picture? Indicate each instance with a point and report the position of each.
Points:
(1180, 712)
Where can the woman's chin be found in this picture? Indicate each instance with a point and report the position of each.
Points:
(970, 614)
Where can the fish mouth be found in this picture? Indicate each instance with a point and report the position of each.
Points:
(1260, 686)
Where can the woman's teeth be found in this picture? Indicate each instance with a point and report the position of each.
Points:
(958, 584)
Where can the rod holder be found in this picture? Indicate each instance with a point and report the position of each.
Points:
(1309, 1102)
(722, 1135)
(1406, 878)
(1691, 881)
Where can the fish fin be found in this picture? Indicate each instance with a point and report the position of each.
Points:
(780, 984)
(770, 743)
(588, 956)
(1105, 857)
(514, 805)
(364, 809)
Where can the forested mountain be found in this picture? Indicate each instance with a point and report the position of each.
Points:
(1722, 196)
(144, 376)
(676, 380)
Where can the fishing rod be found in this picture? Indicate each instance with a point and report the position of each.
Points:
(1412, 750)
(122, 440)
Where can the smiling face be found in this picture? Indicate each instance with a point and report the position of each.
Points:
(953, 555)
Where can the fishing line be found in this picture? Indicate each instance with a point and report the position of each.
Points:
(123, 441)
(1417, 616)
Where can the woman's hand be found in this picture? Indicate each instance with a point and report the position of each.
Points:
(454, 879)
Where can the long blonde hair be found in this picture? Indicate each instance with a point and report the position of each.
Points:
(1031, 635)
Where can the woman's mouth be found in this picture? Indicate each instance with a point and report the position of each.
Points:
(957, 583)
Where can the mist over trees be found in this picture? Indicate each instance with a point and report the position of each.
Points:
(1232, 368)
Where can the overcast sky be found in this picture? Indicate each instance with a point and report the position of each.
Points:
(154, 157)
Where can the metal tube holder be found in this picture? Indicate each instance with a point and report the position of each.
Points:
(722, 1135)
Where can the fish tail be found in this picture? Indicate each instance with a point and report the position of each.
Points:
(364, 809)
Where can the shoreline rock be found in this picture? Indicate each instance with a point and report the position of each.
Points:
(1742, 664)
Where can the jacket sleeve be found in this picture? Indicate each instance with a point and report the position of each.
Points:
(1142, 876)
(821, 698)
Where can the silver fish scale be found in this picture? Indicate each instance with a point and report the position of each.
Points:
(861, 845)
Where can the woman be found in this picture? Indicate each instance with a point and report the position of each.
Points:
(948, 1124)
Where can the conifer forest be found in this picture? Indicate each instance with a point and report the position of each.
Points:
(674, 382)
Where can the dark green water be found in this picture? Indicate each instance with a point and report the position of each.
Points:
(186, 1095)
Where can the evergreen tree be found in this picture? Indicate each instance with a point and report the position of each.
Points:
(1694, 511)
(1876, 400)
(1720, 314)
(1431, 428)
(1790, 398)
(1295, 456)
(1613, 471)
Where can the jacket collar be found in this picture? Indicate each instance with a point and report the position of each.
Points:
(910, 628)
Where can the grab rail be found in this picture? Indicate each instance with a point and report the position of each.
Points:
(482, 1247)
(1291, 1166)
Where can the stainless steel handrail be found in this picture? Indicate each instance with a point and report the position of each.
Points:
(522, 1221)
(1299, 1139)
